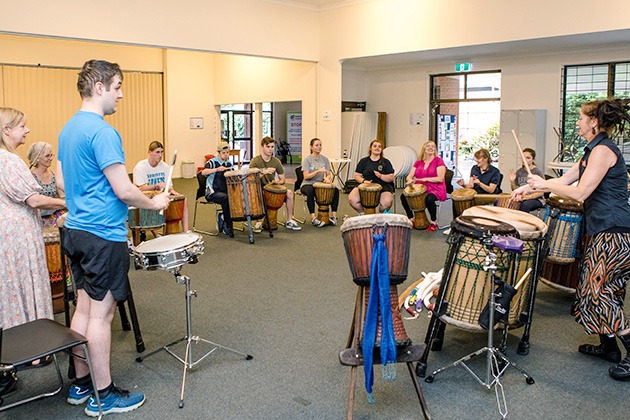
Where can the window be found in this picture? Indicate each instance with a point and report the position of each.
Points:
(586, 83)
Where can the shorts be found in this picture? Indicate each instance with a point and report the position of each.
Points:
(97, 265)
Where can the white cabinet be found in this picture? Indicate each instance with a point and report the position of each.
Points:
(530, 126)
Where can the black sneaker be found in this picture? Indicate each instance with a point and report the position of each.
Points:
(220, 222)
(621, 372)
(598, 351)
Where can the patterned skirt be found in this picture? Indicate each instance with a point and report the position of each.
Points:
(598, 304)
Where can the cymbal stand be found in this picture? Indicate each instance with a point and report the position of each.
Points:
(497, 362)
(189, 338)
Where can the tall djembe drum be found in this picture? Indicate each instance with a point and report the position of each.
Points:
(416, 195)
(245, 195)
(370, 195)
(274, 199)
(384, 240)
(324, 195)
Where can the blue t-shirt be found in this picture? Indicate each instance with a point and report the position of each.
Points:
(87, 145)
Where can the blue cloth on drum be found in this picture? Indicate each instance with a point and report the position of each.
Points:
(379, 299)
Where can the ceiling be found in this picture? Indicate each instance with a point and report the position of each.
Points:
(531, 47)
(317, 4)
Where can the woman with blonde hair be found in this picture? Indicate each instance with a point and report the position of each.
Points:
(429, 170)
(24, 279)
(40, 157)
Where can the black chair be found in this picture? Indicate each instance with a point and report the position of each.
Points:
(299, 178)
(23, 344)
(201, 199)
(448, 180)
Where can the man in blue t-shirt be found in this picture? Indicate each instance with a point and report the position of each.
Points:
(98, 191)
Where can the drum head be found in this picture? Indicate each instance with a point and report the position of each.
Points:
(370, 220)
(476, 227)
(528, 225)
(414, 190)
(176, 197)
(275, 188)
(463, 194)
(370, 187)
(564, 203)
(323, 185)
(242, 172)
(167, 243)
(51, 235)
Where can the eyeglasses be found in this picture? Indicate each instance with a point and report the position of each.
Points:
(49, 156)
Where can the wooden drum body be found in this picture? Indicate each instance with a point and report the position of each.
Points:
(275, 195)
(503, 200)
(564, 237)
(531, 231)
(174, 213)
(53, 261)
(416, 195)
(358, 240)
(370, 195)
(245, 191)
(463, 199)
(324, 194)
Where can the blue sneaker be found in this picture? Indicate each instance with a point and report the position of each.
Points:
(118, 401)
(388, 211)
(79, 394)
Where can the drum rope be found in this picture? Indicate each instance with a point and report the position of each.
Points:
(379, 300)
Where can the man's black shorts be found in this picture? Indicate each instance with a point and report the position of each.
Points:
(97, 265)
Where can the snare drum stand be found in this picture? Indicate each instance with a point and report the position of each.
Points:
(497, 362)
(189, 338)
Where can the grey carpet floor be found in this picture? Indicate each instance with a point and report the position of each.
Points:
(288, 302)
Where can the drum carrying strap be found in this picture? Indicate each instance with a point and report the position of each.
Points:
(379, 298)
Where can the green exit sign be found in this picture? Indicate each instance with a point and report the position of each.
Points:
(463, 67)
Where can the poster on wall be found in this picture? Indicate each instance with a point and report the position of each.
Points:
(447, 139)
(294, 132)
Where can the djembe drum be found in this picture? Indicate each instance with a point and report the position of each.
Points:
(53, 261)
(274, 198)
(531, 231)
(503, 200)
(416, 195)
(324, 195)
(370, 195)
(358, 237)
(568, 243)
(463, 199)
(174, 213)
(142, 219)
(245, 194)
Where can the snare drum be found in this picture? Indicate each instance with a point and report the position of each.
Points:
(463, 199)
(168, 252)
(358, 237)
(370, 196)
(244, 189)
(416, 195)
(565, 235)
(531, 231)
(324, 195)
(275, 195)
(174, 213)
(53, 261)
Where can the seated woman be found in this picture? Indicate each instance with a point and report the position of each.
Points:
(377, 169)
(40, 157)
(533, 200)
(316, 168)
(429, 171)
(484, 178)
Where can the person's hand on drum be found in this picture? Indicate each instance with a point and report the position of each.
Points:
(269, 171)
(409, 180)
(160, 201)
(517, 194)
(474, 180)
(536, 182)
(222, 168)
(159, 186)
(461, 183)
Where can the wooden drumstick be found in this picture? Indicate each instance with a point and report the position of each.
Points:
(170, 176)
(518, 144)
(529, 270)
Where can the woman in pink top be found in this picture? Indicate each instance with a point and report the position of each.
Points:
(429, 170)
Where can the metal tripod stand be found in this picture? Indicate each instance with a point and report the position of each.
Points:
(496, 362)
(189, 338)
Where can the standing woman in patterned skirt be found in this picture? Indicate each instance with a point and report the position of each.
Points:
(603, 186)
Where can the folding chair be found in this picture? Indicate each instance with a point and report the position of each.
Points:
(23, 344)
(296, 192)
(201, 199)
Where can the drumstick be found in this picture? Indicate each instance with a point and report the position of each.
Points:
(521, 150)
(170, 175)
(529, 270)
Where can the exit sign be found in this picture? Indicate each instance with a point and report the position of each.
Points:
(463, 67)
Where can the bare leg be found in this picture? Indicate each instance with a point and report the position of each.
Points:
(185, 217)
(289, 201)
(354, 199)
(93, 319)
(387, 200)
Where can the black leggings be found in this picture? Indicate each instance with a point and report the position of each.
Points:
(429, 201)
(309, 192)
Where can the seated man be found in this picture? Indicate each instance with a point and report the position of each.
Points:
(150, 175)
(216, 187)
(271, 166)
(484, 178)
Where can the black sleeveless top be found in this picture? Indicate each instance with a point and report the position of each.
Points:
(607, 208)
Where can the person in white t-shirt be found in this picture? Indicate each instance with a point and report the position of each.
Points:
(150, 175)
